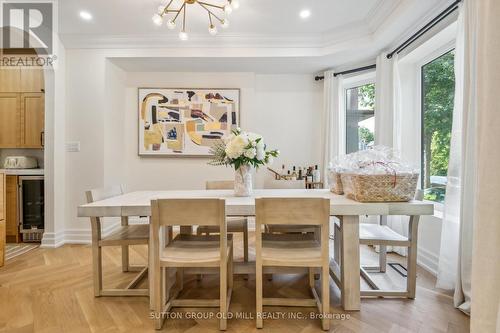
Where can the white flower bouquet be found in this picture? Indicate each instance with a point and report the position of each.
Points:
(242, 149)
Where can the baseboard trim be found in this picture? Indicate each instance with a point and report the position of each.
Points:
(52, 240)
(428, 261)
(84, 236)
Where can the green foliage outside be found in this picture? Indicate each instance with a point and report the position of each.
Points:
(439, 92)
(365, 135)
(367, 96)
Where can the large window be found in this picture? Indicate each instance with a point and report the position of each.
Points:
(438, 91)
(360, 117)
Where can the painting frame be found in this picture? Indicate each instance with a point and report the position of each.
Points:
(142, 152)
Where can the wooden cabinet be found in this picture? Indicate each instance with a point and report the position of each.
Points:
(22, 108)
(2, 219)
(10, 120)
(32, 80)
(11, 209)
(10, 80)
(32, 120)
(22, 120)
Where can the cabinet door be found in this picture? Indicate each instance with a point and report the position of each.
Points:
(10, 120)
(2, 219)
(32, 120)
(2, 196)
(32, 80)
(10, 80)
(11, 209)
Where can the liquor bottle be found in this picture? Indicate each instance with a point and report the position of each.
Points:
(316, 175)
(300, 175)
(294, 174)
(288, 175)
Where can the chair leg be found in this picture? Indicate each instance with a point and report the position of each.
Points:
(157, 297)
(336, 245)
(311, 278)
(245, 242)
(125, 258)
(230, 270)
(223, 296)
(258, 294)
(325, 297)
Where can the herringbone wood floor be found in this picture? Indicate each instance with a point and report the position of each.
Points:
(50, 290)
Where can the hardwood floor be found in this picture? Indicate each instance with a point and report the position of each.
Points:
(50, 290)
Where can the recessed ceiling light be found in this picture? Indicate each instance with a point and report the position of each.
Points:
(305, 13)
(85, 15)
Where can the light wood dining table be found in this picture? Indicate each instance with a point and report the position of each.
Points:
(347, 275)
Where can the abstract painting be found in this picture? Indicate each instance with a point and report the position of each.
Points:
(185, 122)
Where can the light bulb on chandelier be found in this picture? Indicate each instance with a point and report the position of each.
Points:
(216, 14)
(235, 4)
(228, 9)
(171, 24)
(157, 19)
(183, 36)
(212, 29)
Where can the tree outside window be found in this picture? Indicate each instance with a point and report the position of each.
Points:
(360, 118)
(438, 89)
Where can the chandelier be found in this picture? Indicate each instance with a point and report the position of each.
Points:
(216, 12)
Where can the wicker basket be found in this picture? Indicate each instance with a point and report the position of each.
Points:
(380, 188)
(336, 183)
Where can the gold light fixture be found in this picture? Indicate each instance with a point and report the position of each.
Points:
(216, 12)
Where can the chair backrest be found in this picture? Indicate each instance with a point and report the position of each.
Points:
(284, 184)
(187, 212)
(303, 211)
(104, 193)
(219, 185)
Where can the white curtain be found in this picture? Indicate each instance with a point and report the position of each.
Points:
(384, 101)
(485, 314)
(388, 126)
(455, 259)
(333, 120)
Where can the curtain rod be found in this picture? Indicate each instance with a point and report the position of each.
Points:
(444, 14)
(360, 69)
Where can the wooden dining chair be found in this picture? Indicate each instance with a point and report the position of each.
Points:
(124, 236)
(287, 228)
(382, 235)
(289, 250)
(189, 251)
(234, 224)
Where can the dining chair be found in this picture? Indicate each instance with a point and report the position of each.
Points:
(292, 250)
(287, 228)
(382, 235)
(186, 250)
(234, 224)
(124, 236)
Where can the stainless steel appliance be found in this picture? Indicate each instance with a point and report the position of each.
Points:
(31, 208)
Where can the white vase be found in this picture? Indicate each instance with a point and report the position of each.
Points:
(243, 186)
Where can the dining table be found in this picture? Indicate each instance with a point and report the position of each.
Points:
(138, 203)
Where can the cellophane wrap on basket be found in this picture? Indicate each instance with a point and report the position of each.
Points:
(375, 175)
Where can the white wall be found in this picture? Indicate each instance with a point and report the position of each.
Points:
(102, 116)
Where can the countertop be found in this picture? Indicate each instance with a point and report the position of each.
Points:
(23, 172)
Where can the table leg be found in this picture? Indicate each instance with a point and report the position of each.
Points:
(350, 263)
(151, 270)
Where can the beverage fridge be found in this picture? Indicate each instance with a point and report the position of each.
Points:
(31, 207)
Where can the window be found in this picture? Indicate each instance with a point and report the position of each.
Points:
(438, 92)
(360, 117)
